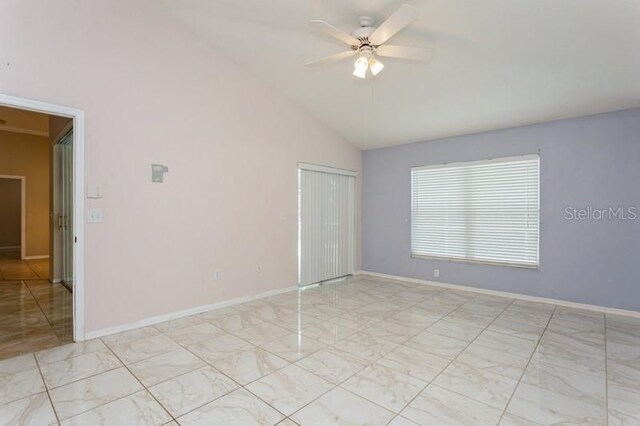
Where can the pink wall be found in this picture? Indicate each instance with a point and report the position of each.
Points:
(152, 93)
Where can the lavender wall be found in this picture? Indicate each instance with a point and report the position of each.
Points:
(590, 161)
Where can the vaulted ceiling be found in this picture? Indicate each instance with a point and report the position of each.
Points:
(498, 63)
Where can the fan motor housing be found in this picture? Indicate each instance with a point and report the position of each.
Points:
(366, 28)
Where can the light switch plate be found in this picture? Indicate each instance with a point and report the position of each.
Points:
(95, 216)
(94, 191)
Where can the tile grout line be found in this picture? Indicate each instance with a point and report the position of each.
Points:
(46, 388)
(376, 360)
(141, 384)
(41, 310)
(528, 362)
(456, 357)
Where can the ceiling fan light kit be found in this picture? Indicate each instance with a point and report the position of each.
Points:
(368, 42)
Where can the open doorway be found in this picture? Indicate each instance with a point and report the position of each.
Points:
(36, 231)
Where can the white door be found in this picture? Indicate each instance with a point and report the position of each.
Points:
(326, 223)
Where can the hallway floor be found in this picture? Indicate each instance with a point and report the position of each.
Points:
(362, 351)
(12, 268)
(34, 313)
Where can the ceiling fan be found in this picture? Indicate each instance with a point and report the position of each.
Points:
(368, 42)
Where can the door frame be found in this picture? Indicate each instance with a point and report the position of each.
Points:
(78, 196)
(23, 212)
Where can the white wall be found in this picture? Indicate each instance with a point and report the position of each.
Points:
(152, 93)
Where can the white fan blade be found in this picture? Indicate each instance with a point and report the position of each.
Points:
(402, 17)
(334, 32)
(331, 58)
(401, 52)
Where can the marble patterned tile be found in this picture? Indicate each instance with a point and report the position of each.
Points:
(509, 419)
(69, 351)
(545, 406)
(568, 382)
(289, 389)
(87, 394)
(17, 364)
(508, 344)
(217, 313)
(415, 317)
(166, 366)
(220, 347)
(624, 404)
(296, 322)
(239, 407)
(18, 385)
(364, 345)
(139, 409)
(413, 362)
(465, 319)
(361, 320)
(388, 388)
(262, 333)
(331, 332)
(393, 331)
(147, 347)
(493, 361)
(79, 367)
(436, 344)
(339, 406)
(436, 406)
(192, 390)
(33, 410)
(538, 319)
(458, 330)
(249, 365)
(234, 321)
(333, 364)
(625, 326)
(293, 346)
(518, 329)
(624, 372)
(402, 421)
(549, 393)
(565, 351)
(484, 386)
(129, 336)
(177, 323)
(192, 334)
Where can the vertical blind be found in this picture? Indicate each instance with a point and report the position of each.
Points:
(481, 211)
(326, 223)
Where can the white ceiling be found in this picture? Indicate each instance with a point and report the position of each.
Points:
(498, 63)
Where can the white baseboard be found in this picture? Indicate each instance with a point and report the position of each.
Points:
(184, 313)
(518, 296)
(43, 256)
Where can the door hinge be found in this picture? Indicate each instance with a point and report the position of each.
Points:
(75, 239)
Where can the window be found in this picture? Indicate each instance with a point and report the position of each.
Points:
(480, 211)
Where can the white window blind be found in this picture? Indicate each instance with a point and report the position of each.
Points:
(481, 211)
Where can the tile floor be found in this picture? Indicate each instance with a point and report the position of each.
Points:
(34, 314)
(12, 268)
(364, 351)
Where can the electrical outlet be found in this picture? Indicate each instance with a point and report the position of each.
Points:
(216, 275)
(436, 273)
